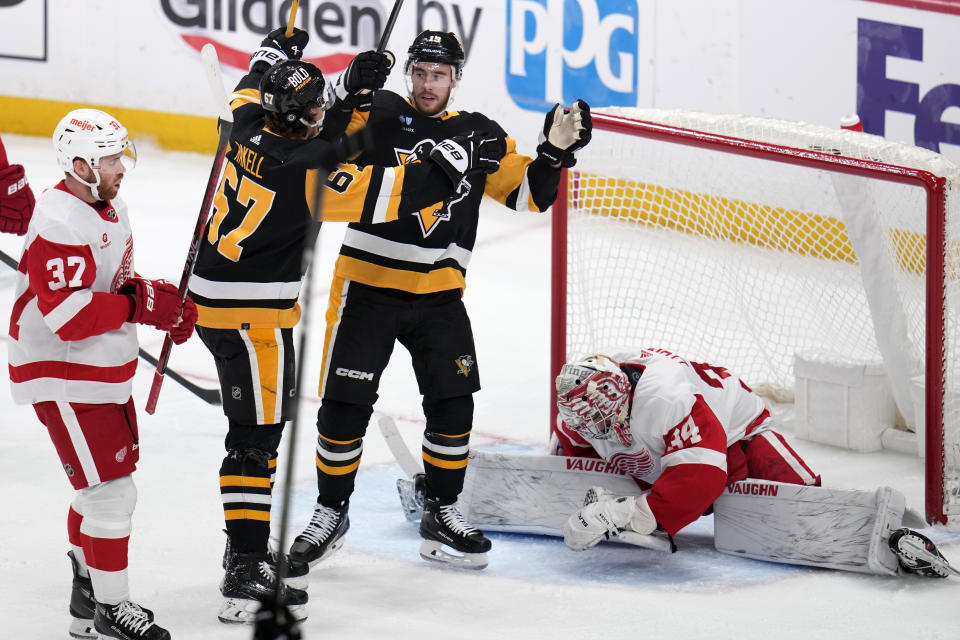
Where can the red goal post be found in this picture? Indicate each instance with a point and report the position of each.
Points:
(769, 238)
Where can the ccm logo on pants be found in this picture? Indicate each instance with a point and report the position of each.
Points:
(353, 373)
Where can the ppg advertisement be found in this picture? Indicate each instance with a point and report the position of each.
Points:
(897, 67)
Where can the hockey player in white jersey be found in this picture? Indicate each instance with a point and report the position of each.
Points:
(688, 431)
(73, 354)
(655, 441)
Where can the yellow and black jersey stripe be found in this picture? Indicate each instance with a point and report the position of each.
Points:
(248, 269)
(429, 249)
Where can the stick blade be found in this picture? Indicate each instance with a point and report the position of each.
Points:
(211, 67)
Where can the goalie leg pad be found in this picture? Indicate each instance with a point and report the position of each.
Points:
(808, 525)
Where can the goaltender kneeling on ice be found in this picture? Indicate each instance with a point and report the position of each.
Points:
(645, 443)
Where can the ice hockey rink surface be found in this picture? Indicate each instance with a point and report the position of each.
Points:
(377, 586)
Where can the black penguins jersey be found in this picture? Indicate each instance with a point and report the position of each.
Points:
(248, 269)
(428, 249)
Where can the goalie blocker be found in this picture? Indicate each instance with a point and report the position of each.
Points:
(849, 530)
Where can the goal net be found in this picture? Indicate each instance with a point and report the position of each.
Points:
(745, 241)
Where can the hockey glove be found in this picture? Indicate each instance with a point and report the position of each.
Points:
(607, 517)
(183, 329)
(154, 302)
(16, 200)
(277, 46)
(367, 72)
(475, 151)
(564, 133)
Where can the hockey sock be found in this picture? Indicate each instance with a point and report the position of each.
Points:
(445, 464)
(446, 445)
(107, 510)
(74, 520)
(337, 463)
(245, 488)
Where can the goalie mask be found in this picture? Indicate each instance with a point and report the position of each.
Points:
(291, 89)
(592, 398)
(91, 134)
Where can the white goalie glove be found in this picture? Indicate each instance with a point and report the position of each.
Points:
(606, 517)
(564, 133)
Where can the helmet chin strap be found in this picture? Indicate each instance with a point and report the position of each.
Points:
(93, 186)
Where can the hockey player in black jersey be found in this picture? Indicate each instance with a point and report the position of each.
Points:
(248, 271)
(403, 281)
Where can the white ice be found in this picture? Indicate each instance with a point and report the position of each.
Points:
(377, 586)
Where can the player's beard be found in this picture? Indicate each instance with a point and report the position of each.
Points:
(108, 192)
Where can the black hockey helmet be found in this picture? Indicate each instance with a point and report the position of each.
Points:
(291, 86)
(441, 47)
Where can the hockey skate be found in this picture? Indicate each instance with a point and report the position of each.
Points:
(323, 536)
(917, 554)
(82, 604)
(447, 537)
(250, 579)
(411, 496)
(127, 621)
(296, 573)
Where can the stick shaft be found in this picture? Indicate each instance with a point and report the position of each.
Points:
(292, 18)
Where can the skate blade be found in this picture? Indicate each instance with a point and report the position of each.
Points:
(82, 629)
(243, 611)
(915, 548)
(434, 551)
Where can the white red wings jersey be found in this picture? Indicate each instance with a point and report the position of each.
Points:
(683, 418)
(70, 340)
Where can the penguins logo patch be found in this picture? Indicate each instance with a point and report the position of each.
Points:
(464, 364)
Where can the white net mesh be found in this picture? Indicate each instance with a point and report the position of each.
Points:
(746, 262)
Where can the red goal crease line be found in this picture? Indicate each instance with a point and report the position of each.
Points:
(937, 6)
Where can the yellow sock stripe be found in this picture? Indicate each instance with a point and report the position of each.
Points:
(332, 441)
(246, 514)
(244, 481)
(337, 471)
(445, 464)
(454, 437)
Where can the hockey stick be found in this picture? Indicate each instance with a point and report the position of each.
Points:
(292, 18)
(211, 65)
(388, 29)
(210, 396)
(391, 435)
(9, 261)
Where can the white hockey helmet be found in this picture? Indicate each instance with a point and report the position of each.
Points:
(592, 398)
(91, 134)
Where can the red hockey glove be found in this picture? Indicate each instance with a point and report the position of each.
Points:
(16, 200)
(155, 302)
(182, 331)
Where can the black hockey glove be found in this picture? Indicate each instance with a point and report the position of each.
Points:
(277, 46)
(367, 72)
(475, 151)
(565, 131)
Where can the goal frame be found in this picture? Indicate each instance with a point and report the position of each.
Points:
(935, 285)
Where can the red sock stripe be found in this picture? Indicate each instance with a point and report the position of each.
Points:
(74, 520)
(105, 554)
